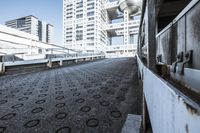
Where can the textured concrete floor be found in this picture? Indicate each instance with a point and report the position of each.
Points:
(89, 98)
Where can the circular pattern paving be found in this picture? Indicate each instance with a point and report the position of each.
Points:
(90, 91)
(37, 110)
(104, 103)
(85, 109)
(60, 97)
(8, 116)
(64, 130)
(42, 95)
(31, 123)
(120, 98)
(93, 122)
(40, 101)
(60, 105)
(80, 100)
(44, 90)
(3, 102)
(17, 106)
(115, 114)
(97, 96)
(61, 115)
(73, 90)
(23, 99)
(124, 89)
(76, 94)
(58, 88)
(59, 92)
(28, 93)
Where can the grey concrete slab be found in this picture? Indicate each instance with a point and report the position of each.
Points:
(132, 124)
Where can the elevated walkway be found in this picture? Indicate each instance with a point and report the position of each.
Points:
(94, 97)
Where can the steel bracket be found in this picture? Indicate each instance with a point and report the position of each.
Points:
(179, 58)
(187, 59)
(159, 58)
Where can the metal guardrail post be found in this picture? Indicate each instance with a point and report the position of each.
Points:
(2, 68)
(61, 63)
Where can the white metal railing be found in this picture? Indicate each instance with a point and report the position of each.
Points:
(121, 47)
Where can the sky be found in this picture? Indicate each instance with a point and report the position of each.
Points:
(49, 11)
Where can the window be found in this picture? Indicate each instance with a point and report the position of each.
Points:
(90, 13)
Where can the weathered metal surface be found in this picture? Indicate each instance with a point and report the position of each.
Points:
(90, 98)
(190, 79)
(184, 34)
(192, 35)
(180, 35)
(164, 46)
(170, 111)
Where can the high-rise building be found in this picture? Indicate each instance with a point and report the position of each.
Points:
(33, 25)
(98, 25)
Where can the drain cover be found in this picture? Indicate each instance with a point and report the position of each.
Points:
(31, 123)
(93, 122)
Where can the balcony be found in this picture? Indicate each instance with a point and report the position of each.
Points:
(110, 5)
(132, 23)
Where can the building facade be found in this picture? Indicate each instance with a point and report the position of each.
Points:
(33, 25)
(93, 26)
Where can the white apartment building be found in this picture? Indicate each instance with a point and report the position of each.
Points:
(98, 25)
(33, 25)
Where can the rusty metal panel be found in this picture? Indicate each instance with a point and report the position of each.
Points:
(193, 35)
(170, 111)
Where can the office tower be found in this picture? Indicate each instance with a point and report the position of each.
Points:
(33, 25)
(98, 25)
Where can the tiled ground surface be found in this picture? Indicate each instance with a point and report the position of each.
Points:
(89, 98)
